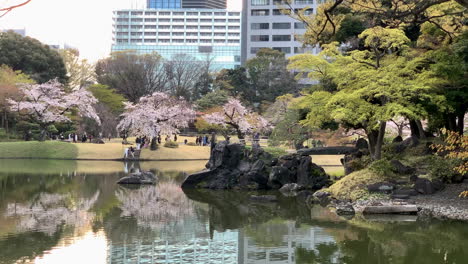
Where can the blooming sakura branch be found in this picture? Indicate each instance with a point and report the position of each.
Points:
(238, 117)
(155, 114)
(48, 103)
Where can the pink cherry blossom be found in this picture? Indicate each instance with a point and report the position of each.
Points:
(155, 114)
(238, 117)
(48, 102)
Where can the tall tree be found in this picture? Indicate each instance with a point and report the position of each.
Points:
(269, 76)
(48, 103)
(182, 73)
(155, 114)
(9, 81)
(374, 85)
(204, 83)
(79, 71)
(236, 116)
(133, 75)
(31, 57)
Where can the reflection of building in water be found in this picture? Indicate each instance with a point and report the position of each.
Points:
(196, 246)
(307, 238)
(222, 248)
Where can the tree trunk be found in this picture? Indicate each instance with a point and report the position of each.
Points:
(154, 145)
(6, 123)
(380, 139)
(460, 124)
(422, 134)
(414, 128)
(372, 136)
(43, 134)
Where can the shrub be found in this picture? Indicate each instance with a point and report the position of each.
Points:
(382, 168)
(444, 169)
(171, 144)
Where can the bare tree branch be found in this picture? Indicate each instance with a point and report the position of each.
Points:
(7, 10)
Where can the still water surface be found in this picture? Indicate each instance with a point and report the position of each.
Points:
(73, 212)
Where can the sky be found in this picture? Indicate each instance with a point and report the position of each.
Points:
(83, 24)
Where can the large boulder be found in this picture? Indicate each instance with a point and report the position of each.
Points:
(400, 168)
(310, 175)
(280, 176)
(407, 143)
(291, 189)
(144, 177)
(362, 144)
(382, 187)
(424, 186)
(232, 166)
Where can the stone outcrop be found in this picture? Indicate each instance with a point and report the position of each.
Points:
(232, 166)
(144, 177)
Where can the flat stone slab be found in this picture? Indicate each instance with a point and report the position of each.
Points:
(391, 209)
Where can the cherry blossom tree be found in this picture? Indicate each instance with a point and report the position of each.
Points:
(48, 103)
(156, 114)
(236, 116)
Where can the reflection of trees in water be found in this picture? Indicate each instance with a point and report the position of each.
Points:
(156, 207)
(324, 253)
(48, 211)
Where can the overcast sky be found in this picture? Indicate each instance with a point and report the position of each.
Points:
(84, 24)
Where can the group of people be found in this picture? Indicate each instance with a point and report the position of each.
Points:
(73, 137)
(142, 142)
(202, 140)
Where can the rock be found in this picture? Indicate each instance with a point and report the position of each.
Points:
(409, 192)
(424, 186)
(383, 187)
(391, 209)
(244, 166)
(291, 189)
(345, 209)
(280, 176)
(263, 198)
(310, 175)
(438, 185)
(397, 139)
(362, 144)
(413, 178)
(319, 197)
(258, 165)
(400, 168)
(407, 143)
(144, 177)
(225, 154)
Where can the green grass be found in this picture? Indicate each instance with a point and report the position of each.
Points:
(35, 149)
(354, 185)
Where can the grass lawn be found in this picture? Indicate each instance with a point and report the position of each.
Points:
(183, 152)
(35, 149)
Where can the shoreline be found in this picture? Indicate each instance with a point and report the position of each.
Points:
(38, 158)
(443, 205)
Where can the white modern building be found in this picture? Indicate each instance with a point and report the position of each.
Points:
(265, 26)
(200, 33)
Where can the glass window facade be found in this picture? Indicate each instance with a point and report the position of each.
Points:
(177, 31)
(161, 4)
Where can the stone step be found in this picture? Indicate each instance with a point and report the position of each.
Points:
(391, 209)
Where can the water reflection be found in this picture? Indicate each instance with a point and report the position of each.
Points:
(56, 214)
(47, 212)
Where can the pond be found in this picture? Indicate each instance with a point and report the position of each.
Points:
(73, 212)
